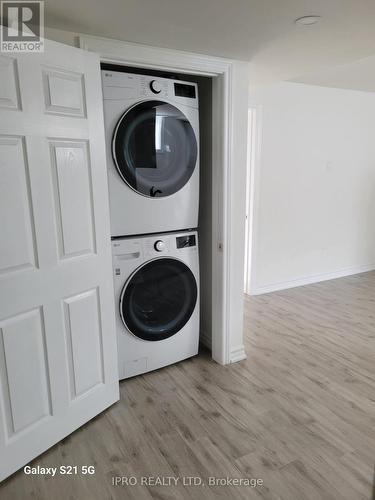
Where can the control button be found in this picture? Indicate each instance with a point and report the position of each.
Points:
(155, 86)
(159, 245)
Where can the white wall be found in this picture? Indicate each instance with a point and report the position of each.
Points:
(315, 181)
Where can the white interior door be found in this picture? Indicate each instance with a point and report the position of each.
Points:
(58, 362)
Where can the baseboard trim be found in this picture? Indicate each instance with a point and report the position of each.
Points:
(205, 339)
(308, 280)
(237, 354)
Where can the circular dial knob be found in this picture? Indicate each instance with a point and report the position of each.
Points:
(159, 245)
(155, 86)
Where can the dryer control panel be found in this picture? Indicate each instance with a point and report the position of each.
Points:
(118, 85)
(186, 241)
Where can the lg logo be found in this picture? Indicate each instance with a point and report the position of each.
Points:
(23, 26)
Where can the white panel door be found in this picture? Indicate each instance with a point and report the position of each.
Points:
(58, 361)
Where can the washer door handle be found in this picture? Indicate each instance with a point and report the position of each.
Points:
(128, 256)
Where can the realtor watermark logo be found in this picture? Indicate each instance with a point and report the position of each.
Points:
(22, 26)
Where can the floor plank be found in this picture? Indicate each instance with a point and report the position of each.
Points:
(299, 413)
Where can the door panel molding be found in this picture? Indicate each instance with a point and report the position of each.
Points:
(83, 328)
(10, 97)
(73, 196)
(26, 393)
(64, 92)
(18, 243)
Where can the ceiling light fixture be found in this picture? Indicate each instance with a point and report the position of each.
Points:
(307, 20)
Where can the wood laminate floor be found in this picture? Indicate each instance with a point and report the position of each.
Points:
(299, 413)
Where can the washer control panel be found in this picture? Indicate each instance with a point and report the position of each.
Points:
(125, 250)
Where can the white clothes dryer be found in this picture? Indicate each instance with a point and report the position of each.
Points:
(152, 137)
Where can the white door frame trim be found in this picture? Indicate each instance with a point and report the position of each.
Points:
(252, 198)
(137, 55)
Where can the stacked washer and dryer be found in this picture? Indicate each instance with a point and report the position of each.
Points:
(152, 137)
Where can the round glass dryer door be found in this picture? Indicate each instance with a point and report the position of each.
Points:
(154, 148)
(158, 299)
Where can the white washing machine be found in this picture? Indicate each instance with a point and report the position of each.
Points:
(152, 137)
(156, 281)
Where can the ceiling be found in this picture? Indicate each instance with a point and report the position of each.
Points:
(260, 31)
(358, 75)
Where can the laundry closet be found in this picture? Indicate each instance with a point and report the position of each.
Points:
(85, 269)
(158, 143)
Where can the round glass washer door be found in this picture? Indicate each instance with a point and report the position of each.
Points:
(154, 148)
(158, 299)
